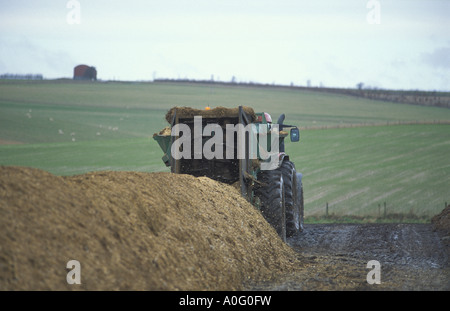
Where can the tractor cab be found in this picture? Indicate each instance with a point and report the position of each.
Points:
(263, 117)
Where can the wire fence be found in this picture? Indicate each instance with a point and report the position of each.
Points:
(385, 123)
(384, 214)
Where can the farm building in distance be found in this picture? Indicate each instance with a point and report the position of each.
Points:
(84, 72)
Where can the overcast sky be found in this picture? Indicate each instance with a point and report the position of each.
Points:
(334, 43)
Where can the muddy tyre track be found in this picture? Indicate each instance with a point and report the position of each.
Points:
(412, 257)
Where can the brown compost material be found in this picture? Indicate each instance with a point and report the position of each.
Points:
(132, 231)
(441, 223)
(218, 112)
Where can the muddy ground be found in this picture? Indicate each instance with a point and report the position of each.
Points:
(411, 257)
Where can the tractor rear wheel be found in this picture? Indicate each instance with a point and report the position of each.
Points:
(272, 200)
(293, 198)
(300, 203)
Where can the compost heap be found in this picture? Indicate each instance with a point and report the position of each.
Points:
(132, 231)
(441, 224)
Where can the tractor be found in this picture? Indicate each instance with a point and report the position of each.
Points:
(242, 148)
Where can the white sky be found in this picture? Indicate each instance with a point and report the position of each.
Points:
(329, 42)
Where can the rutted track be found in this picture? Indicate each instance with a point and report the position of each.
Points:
(412, 257)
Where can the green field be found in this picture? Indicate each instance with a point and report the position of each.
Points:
(355, 170)
(70, 128)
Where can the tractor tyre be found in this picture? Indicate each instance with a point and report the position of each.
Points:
(300, 202)
(272, 200)
(293, 198)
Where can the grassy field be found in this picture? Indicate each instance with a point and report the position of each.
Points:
(70, 128)
(356, 170)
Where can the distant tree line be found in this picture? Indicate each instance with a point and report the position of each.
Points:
(412, 97)
(15, 76)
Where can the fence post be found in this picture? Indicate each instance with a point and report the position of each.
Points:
(326, 210)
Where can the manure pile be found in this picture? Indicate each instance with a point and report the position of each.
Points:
(218, 112)
(441, 223)
(132, 231)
